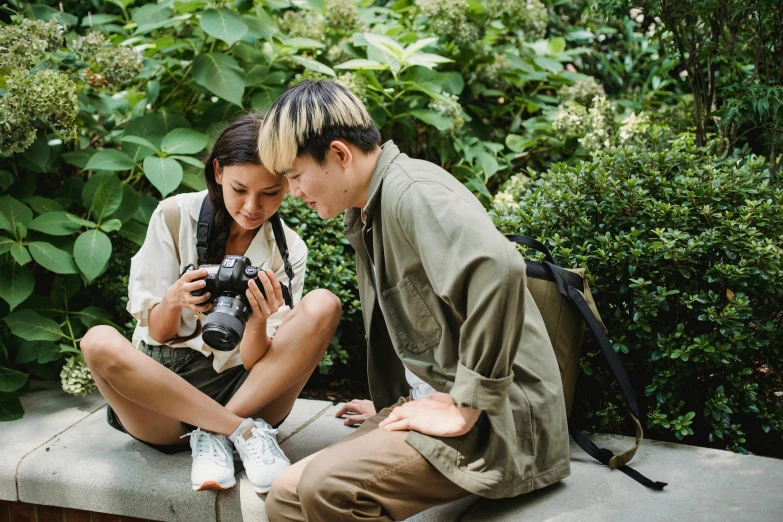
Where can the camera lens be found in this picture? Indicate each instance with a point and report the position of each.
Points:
(225, 323)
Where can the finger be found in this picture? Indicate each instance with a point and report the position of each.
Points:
(269, 290)
(190, 275)
(202, 308)
(393, 417)
(263, 305)
(258, 305)
(251, 298)
(354, 419)
(197, 299)
(349, 407)
(195, 285)
(277, 287)
(400, 425)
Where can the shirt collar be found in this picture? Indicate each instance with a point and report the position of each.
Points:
(389, 153)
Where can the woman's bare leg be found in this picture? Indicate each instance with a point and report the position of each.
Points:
(299, 345)
(149, 399)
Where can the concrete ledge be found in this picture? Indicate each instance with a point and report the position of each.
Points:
(62, 453)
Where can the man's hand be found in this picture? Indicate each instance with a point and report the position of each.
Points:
(437, 414)
(358, 411)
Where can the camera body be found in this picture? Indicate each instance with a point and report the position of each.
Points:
(226, 284)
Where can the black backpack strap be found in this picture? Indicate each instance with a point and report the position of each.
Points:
(571, 286)
(205, 219)
(282, 245)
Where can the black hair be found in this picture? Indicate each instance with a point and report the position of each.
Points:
(236, 145)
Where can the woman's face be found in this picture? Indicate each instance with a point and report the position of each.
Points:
(251, 193)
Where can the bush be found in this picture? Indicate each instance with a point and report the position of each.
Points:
(683, 252)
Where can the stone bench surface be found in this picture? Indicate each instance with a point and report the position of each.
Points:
(62, 453)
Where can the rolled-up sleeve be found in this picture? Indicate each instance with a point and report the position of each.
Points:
(154, 269)
(477, 272)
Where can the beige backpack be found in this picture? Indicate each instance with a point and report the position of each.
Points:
(564, 300)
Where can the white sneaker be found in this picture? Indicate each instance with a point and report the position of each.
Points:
(213, 463)
(263, 459)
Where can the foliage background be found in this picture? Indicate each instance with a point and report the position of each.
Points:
(106, 107)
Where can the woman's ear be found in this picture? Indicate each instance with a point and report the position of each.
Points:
(218, 174)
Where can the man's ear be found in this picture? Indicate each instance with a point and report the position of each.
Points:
(342, 153)
(218, 174)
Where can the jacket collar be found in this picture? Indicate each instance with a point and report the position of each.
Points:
(388, 155)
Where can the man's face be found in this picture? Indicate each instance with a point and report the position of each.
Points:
(324, 187)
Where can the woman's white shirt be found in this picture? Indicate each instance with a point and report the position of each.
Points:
(156, 267)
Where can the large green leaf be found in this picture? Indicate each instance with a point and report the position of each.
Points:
(134, 231)
(164, 173)
(79, 158)
(110, 159)
(31, 326)
(92, 251)
(93, 315)
(43, 205)
(184, 141)
(40, 351)
(5, 244)
(16, 285)
(362, 64)
(10, 407)
(20, 253)
(221, 74)
(224, 24)
(313, 65)
(439, 121)
(14, 212)
(52, 258)
(107, 198)
(11, 380)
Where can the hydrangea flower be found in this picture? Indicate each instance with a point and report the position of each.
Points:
(531, 16)
(490, 73)
(46, 97)
(304, 23)
(450, 108)
(76, 377)
(342, 16)
(583, 92)
(110, 65)
(22, 45)
(449, 19)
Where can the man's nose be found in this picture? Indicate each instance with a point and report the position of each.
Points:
(293, 187)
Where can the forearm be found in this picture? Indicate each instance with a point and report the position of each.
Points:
(164, 320)
(254, 345)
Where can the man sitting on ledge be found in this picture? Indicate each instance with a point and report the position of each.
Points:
(452, 330)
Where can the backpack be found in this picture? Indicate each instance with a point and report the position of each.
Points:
(563, 297)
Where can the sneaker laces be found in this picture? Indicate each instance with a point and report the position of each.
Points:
(207, 445)
(262, 445)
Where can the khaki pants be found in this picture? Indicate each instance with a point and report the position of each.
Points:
(372, 474)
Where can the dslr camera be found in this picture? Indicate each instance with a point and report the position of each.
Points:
(226, 284)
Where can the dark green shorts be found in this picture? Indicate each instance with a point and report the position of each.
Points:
(198, 371)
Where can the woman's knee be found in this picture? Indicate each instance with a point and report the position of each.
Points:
(323, 308)
(101, 346)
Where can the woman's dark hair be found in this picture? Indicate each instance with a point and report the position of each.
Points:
(236, 145)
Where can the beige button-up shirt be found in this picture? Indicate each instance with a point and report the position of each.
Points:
(155, 268)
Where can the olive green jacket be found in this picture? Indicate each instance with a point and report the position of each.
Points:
(455, 308)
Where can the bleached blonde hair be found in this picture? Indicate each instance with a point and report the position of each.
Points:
(306, 118)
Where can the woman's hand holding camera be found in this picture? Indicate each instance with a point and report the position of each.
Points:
(263, 304)
(179, 294)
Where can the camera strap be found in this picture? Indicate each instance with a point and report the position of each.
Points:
(204, 230)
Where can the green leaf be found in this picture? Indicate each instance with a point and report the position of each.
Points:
(134, 231)
(10, 407)
(362, 64)
(194, 180)
(110, 159)
(11, 380)
(31, 326)
(488, 162)
(417, 46)
(518, 143)
(439, 121)
(52, 258)
(6, 179)
(301, 43)
(385, 44)
(313, 65)
(92, 251)
(43, 205)
(223, 24)
(20, 253)
(5, 244)
(548, 64)
(79, 158)
(129, 205)
(557, 45)
(93, 315)
(14, 212)
(98, 19)
(164, 173)
(428, 60)
(16, 285)
(107, 198)
(111, 225)
(184, 141)
(41, 352)
(189, 160)
(221, 75)
(81, 222)
(139, 141)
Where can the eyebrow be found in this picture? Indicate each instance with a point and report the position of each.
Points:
(265, 188)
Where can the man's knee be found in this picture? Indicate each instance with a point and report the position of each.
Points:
(282, 495)
(321, 492)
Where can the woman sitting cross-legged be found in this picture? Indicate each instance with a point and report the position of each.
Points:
(169, 383)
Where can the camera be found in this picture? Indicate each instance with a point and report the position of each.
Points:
(226, 283)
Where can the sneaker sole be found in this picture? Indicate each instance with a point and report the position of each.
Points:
(214, 486)
(261, 491)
